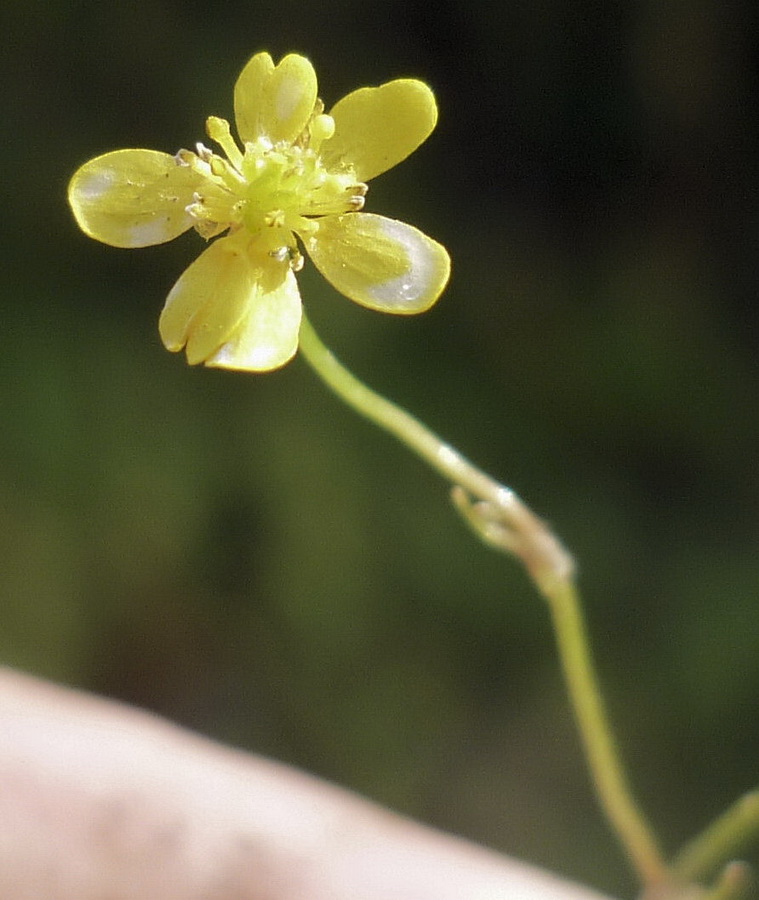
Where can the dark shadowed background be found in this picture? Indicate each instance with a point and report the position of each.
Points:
(244, 555)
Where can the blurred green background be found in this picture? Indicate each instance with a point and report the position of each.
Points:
(244, 555)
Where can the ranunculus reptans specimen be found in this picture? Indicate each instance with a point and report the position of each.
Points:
(296, 181)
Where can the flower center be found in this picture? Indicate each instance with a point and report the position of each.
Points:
(272, 191)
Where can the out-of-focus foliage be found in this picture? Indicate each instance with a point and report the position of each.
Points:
(244, 555)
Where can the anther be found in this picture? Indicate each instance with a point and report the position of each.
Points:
(203, 152)
(184, 158)
(275, 218)
(217, 166)
(322, 127)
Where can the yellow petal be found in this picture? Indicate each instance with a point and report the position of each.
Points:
(232, 309)
(274, 101)
(267, 336)
(208, 300)
(133, 198)
(380, 263)
(376, 128)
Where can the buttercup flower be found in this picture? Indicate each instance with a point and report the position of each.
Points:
(298, 180)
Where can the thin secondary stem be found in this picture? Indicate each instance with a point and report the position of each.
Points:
(735, 828)
(504, 521)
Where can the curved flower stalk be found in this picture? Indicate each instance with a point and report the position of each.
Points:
(298, 180)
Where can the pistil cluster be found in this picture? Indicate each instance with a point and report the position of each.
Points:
(273, 191)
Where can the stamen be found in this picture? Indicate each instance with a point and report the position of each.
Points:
(203, 152)
(218, 130)
(228, 174)
(322, 128)
(306, 227)
(192, 161)
(207, 228)
(291, 253)
(275, 218)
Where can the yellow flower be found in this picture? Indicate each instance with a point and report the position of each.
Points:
(300, 172)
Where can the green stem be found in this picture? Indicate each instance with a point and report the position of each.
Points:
(601, 753)
(725, 837)
(735, 882)
(501, 519)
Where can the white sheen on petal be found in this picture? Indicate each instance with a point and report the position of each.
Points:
(93, 185)
(406, 290)
(380, 263)
(209, 300)
(133, 198)
(274, 101)
(267, 336)
(146, 234)
(287, 97)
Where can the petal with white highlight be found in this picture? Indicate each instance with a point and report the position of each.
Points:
(133, 198)
(380, 263)
(274, 101)
(208, 300)
(267, 335)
